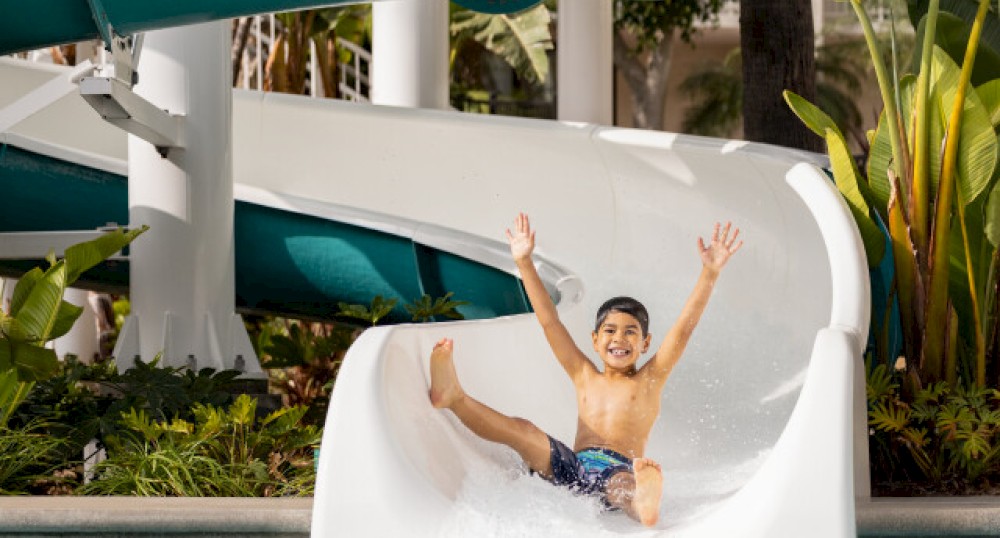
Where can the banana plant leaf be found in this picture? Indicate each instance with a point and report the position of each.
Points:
(992, 216)
(83, 256)
(522, 40)
(845, 173)
(910, 287)
(989, 94)
(23, 289)
(847, 177)
(953, 28)
(33, 363)
(38, 314)
(880, 156)
(10, 328)
(12, 393)
(959, 145)
(977, 153)
(65, 318)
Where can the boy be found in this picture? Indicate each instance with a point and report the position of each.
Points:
(611, 435)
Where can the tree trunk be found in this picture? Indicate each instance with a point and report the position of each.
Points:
(646, 76)
(777, 41)
(241, 33)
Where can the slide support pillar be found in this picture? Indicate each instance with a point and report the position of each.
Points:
(585, 67)
(410, 53)
(182, 284)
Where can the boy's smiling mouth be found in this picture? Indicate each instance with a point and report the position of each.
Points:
(619, 352)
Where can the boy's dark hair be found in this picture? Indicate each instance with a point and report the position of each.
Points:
(626, 305)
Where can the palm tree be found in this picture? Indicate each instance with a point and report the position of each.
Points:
(777, 40)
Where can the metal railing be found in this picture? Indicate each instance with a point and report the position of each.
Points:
(843, 14)
(354, 83)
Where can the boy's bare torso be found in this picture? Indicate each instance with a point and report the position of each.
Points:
(616, 411)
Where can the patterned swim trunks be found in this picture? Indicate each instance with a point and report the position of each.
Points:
(587, 471)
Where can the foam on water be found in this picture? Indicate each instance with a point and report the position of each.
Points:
(498, 499)
(506, 502)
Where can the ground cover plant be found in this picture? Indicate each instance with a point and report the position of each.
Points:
(173, 431)
(931, 182)
(223, 451)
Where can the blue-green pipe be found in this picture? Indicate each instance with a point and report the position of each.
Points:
(42, 23)
(34, 24)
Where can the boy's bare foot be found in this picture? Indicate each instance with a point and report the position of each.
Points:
(648, 489)
(445, 390)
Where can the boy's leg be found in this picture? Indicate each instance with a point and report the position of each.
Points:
(531, 443)
(638, 493)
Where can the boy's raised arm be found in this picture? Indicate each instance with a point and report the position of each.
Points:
(713, 258)
(522, 243)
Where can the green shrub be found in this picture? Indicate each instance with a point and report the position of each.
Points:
(223, 452)
(27, 455)
(944, 438)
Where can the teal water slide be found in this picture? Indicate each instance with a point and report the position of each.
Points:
(286, 263)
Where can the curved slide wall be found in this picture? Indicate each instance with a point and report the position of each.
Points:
(756, 430)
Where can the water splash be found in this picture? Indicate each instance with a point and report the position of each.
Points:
(499, 502)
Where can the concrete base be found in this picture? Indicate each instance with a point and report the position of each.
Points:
(290, 517)
(933, 516)
(147, 517)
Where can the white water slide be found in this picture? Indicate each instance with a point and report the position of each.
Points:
(759, 421)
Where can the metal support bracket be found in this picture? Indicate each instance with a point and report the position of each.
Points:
(125, 50)
(118, 104)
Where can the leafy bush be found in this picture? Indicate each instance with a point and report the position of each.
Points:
(303, 358)
(223, 452)
(943, 439)
(82, 402)
(38, 314)
(27, 455)
(426, 308)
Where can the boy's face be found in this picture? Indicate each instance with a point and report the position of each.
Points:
(619, 341)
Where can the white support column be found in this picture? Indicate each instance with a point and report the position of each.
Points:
(182, 277)
(819, 17)
(585, 58)
(82, 340)
(410, 53)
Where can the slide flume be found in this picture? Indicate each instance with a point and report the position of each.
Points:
(756, 434)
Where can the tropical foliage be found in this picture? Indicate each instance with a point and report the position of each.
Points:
(27, 455)
(945, 436)
(303, 358)
(222, 452)
(931, 180)
(139, 417)
(38, 314)
(522, 40)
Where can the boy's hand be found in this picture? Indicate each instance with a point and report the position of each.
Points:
(522, 241)
(717, 253)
